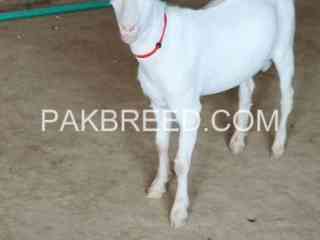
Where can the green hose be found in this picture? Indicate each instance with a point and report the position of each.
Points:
(55, 10)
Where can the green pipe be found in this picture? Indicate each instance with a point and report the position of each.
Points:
(55, 10)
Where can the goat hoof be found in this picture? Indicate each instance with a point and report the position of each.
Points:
(277, 151)
(179, 216)
(266, 66)
(237, 146)
(154, 194)
(157, 189)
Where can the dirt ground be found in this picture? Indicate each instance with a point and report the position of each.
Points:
(11, 5)
(91, 186)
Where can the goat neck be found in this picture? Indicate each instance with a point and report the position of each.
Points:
(151, 29)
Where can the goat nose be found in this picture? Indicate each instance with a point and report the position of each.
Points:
(128, 28)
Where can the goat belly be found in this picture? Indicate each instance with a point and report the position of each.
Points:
(217, 86)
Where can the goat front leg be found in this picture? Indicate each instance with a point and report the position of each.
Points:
(237, 142)
(158, 186)
(188, 135)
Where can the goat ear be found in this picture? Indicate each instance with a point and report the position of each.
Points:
(112, 2)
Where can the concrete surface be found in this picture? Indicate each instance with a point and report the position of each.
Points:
(69, 185)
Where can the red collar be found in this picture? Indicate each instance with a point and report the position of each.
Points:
(159, 43)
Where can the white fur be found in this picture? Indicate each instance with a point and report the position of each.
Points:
(207, 51)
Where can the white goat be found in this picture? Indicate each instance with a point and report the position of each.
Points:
(187, 53)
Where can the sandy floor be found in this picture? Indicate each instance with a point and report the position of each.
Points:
(59, 186)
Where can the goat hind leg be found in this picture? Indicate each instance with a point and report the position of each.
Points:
(285, 67)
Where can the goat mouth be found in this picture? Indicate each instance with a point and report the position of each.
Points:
(128, 38)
